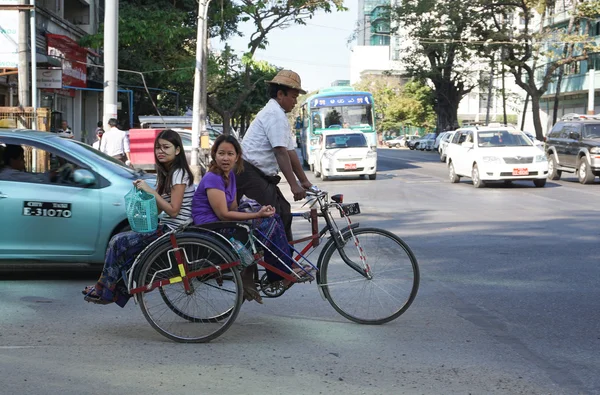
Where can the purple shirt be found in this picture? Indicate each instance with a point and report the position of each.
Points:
(202, 212)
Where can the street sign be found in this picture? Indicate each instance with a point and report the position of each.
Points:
(49, 78)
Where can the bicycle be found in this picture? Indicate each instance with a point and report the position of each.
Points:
(196, 272)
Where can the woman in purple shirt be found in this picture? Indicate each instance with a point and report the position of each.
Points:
(215, 200)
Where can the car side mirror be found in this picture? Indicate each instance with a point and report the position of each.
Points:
(84, 177)
(467, 145)
(574, 136)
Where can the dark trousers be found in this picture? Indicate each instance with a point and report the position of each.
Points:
(254, 184)
(121, 157)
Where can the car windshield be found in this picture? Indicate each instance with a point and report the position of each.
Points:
(87, 150)
(186, 139)
(502, 138)
(342, 116)
(345, 141)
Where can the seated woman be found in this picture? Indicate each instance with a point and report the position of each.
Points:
(215, 200)
(174, 192)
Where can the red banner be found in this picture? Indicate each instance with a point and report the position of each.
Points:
(74, 59)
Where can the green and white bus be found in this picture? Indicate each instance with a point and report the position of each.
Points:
(335, 108)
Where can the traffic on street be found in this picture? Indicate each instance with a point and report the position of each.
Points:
(506, 305)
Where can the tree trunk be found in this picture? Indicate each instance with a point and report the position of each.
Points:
(524, 111)
(226, 122)
(535, 109)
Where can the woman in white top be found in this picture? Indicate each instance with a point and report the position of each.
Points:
(174, 193)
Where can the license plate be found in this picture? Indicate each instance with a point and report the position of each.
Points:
(350, 209)
(520, 172)
(46, 209)
(350, 166)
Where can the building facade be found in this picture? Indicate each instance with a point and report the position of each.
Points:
(66, 84)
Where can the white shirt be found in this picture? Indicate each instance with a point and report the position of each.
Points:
(96, 145)
(65, 133)
(269, 129)
(115, 142)
(185, 212)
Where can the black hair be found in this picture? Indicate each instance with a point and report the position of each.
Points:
(275, 88)
(164, 176)
(99, 124)
(12, 152)
(112, 122)
(239, 164)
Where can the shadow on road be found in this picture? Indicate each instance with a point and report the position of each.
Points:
(48, 271)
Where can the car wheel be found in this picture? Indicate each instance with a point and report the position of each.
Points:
(324, 177)
(442, 158)
(372, 176)
(454, 178)
(477, 182)
(553, 172)
(585, 174)
(412, 147)
(317, 173)
(539, 183)
(397, 145)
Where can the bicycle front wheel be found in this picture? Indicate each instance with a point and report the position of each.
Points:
(392, 287)
(211, 305)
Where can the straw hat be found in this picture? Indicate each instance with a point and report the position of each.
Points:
(288, 78)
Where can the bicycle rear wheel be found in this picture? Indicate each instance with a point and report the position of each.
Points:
(211, 306)
(390, 291)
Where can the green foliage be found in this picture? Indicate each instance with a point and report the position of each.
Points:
(437, 31)
(397, 106)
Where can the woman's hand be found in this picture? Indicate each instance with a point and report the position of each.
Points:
(141, 184)
(266, 211)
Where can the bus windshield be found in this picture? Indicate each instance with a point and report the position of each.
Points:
(342, 116)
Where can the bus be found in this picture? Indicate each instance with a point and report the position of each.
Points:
(335, 108)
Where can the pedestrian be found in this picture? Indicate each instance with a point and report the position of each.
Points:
(268, 147)
(115, 143)
(99, 133)
(174, 193)
(65, 131)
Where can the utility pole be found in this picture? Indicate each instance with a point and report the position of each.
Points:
(111, 58)
(33, 65)
(199, 103)
(23, 60)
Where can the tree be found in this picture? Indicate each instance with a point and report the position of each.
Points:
(226, 71)
(396, 105)
(534, 56)
(157, 38)
(434, 34)
(267, 16)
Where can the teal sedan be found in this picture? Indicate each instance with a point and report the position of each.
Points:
(61, 200)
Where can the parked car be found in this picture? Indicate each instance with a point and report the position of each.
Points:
(443, 144)
(573, 145)
(495, 154)
(68, 202)
(396, 142)
(425, 143)
(342, 152)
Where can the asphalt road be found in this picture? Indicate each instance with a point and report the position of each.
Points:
(508, 304)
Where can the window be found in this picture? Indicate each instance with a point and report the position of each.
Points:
(556, 130)
(24, 163)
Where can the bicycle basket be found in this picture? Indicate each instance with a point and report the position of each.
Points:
(141, 210)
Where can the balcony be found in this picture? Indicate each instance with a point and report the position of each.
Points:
(574, 84)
